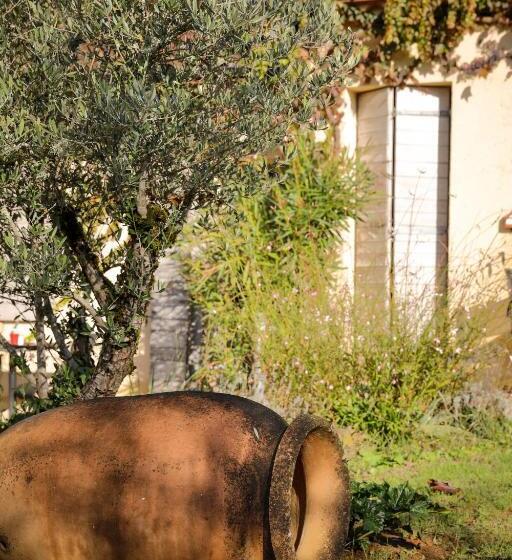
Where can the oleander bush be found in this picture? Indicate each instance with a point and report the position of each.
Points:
(261, 252)
(282, 327)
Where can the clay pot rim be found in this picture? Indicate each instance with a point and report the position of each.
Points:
(283, 469)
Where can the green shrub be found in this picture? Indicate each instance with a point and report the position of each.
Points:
(486, 421)
(65, 391)
(381, 508)
(259, 253)
(327, 354)
(277, 317)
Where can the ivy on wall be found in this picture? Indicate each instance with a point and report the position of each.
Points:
(399, 36)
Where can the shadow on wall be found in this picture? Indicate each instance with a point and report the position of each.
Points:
(494, 45)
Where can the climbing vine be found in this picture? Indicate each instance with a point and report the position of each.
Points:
(398, 36)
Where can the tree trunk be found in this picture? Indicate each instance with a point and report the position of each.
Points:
(115, 363)
(128, 314)
(41, 379)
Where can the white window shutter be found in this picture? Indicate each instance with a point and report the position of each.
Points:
(420, 203)
(372, 240)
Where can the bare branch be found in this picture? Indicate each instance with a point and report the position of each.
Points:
(67, 221)
(6, 345)
(92, 312)
(60, 339)
(142, 199)
(15, 229)
(41, 379)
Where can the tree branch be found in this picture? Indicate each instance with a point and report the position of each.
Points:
(92, 312)
(6, 345)
(67, 221)
(15, 229)
(142, 199)
(41, 380)
(60, 339)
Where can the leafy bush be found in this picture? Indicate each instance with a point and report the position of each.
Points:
(66, 389)
(486, 424)
(327, 354)
(427, 31)
(381, 508)
(260, 252)
(485, 420)
(280, 327)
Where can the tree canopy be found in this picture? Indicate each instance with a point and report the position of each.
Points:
(119, 117)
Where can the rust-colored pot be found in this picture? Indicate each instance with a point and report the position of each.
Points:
(178, 476)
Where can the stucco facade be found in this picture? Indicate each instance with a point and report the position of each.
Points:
(479, 247)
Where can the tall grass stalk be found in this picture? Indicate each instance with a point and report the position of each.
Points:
(276, 317)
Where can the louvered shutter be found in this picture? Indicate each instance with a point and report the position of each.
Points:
(420, 202)
(372, 240)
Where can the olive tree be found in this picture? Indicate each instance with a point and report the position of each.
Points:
(117, 119)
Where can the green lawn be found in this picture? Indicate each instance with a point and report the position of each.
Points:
(477, 523)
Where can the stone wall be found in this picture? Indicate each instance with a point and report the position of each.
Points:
(175, 329)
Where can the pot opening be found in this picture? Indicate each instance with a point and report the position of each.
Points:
(309, 495)
(298, 502)
(315, 495)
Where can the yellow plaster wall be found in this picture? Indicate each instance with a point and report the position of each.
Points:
(480, 180)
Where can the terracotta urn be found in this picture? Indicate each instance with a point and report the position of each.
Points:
(176, 476)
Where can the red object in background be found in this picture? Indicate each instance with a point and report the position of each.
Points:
(443, 487)
(14, 338)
